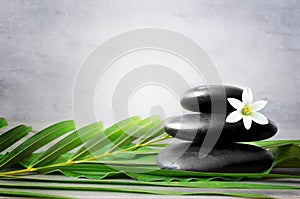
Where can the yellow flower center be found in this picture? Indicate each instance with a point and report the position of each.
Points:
(247, 110)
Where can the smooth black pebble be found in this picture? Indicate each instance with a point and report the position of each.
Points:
(233, 158)
(199, 99)
(194, 127)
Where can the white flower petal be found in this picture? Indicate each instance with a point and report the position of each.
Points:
(259, 118)
(258, 105)
(235, 103)
(233, 117)
(247, 120)
(247, 96)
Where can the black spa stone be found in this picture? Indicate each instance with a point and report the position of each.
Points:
(199, 99)
(194, 127)
(236, 158)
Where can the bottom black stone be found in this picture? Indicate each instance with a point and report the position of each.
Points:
(233, 158)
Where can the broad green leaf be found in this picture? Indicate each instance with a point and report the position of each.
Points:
(3, 122)
(12, 136)
(69, 143)
(144, 177)
(289, 162)
(108, 136)
(96, 171)
(148, 160)
(35, 142)
(286, 156)
(91, 174)
(274, 143)
(86, 167)
(251, 176)
(91, 171)
(286, 152)
(139, 159)
(81, 168)
(164, 175)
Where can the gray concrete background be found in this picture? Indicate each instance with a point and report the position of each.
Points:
(43, 43)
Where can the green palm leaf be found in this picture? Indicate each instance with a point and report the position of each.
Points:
(118, 141)
(274, 143)
(35, 142)
(108, 136)
(125, 150)
(286, 156)
(12, 136)
(68, 143)
(146, 126)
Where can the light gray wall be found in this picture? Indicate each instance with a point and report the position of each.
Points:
(43, 43)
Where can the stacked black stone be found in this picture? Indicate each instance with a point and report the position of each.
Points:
(226, 155)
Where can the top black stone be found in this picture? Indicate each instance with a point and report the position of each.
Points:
(200, 99)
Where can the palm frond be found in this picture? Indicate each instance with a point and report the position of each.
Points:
(126, 150)
(96, 143)
(35, 142)
(12, 136)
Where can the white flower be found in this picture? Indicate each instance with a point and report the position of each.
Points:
(247, 110)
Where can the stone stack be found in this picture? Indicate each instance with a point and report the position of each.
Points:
(227, 155)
